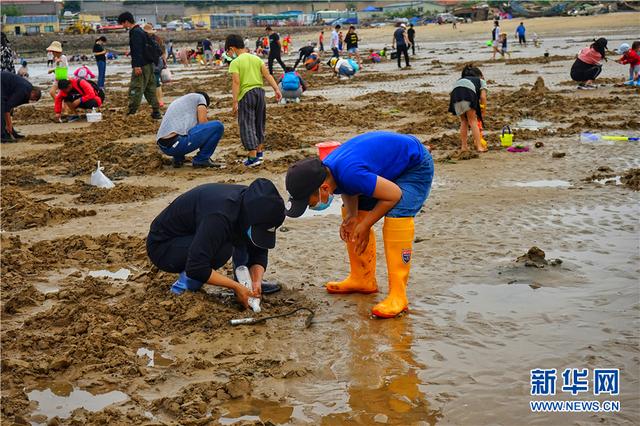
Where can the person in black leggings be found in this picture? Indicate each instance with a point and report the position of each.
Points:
(274, 50)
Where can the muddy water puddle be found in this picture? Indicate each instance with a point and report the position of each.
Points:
(120, 274)
(155, 359)
(549, 183)
(469, 346)
(61, 399)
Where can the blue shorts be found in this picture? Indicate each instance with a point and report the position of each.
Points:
(352, 50)
(415, 184)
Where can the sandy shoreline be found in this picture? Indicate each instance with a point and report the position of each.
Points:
(478, 320)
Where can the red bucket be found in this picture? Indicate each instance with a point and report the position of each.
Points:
(325, 148)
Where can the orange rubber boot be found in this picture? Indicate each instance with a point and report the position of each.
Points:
(398, 241)
(362, 277)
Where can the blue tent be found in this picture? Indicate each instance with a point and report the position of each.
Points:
(372, 9)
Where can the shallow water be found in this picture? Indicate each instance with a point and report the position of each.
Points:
(61, 399)
(120, 274)
(475, 341)
(551, 183)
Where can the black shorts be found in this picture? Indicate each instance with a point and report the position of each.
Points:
(460, 94)
(581, 71)
(91, 103)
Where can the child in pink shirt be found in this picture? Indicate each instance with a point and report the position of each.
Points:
(588, 64)
(84, 72)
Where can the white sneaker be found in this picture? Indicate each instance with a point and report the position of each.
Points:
(297, 100)
(344, 77)
(283, 101)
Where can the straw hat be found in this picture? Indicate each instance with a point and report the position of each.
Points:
(55, 46)
(149, 29)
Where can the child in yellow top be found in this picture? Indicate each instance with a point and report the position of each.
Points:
(247, 72)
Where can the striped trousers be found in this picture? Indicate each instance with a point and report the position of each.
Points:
(252, 116)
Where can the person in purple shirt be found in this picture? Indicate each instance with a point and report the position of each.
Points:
(378, 174)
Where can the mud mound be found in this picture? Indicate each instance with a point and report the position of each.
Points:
(21, 212)
(410, 102)
(525, 72)
(444, 142)
(539, 87)
(30, 114)
(121, 193)
(100, 252)
(631, 179)
(114, 126)
(536, 258)
(80, 157)
(220, 83)
(458, 155)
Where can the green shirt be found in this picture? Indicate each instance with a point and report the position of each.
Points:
(249, 68)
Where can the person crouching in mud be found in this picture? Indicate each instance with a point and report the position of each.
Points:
(204, 227)
(379, 174)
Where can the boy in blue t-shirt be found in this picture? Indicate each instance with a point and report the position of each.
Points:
(379, 174)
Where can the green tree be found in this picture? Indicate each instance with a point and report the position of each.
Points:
(351, 5)
(11, 10)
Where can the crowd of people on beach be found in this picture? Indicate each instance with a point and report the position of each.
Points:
(378, 174)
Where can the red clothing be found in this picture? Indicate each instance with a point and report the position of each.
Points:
(81, 86)
(590, 56)
(631, 57)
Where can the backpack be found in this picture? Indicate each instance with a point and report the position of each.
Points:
(97, 89)
(290, 81)
(152, 51)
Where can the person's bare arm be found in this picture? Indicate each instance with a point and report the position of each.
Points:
(242, 293)
(483, 101)
(202, 114)
(350, 220)
(388, 194)
(272, 82)
(257, 272)
(235, 91)
(8, 122)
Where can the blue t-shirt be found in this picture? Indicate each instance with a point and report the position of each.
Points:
(520, 30)
(357, 163)
(399, 36)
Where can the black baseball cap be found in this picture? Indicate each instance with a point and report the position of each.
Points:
(264, 209)
(303, 179)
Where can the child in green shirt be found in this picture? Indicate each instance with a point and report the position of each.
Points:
(247, 72)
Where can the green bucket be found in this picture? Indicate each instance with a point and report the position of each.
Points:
(61, 73)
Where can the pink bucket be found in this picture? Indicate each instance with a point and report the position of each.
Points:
(325, 148)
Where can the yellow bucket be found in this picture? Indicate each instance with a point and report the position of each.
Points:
(506, 138)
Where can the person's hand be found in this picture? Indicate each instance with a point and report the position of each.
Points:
(50, 71)
(137, 70)
(59, 118)
(278, 96)
(257, 288)
(360, 236)
(234, 108)
(242, 295)
(347, 227)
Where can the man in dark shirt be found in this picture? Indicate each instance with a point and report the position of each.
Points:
(304, 51)
(411, 34)
(16, 91)
(274, 50)
(401, 43)
(142, 78)
(201, 229)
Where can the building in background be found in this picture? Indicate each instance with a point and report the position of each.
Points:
(30, 25)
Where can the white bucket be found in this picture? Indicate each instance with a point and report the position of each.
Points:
(94, 117)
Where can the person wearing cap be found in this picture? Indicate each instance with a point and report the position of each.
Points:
(401, 43)
(60, 66)
(379, 174)
(185, 128)
(142, 77)
(16, 91)
(202, 228)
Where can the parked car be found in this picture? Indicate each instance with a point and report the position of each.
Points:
(157, 27)
(378, 24)
(448, 18)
